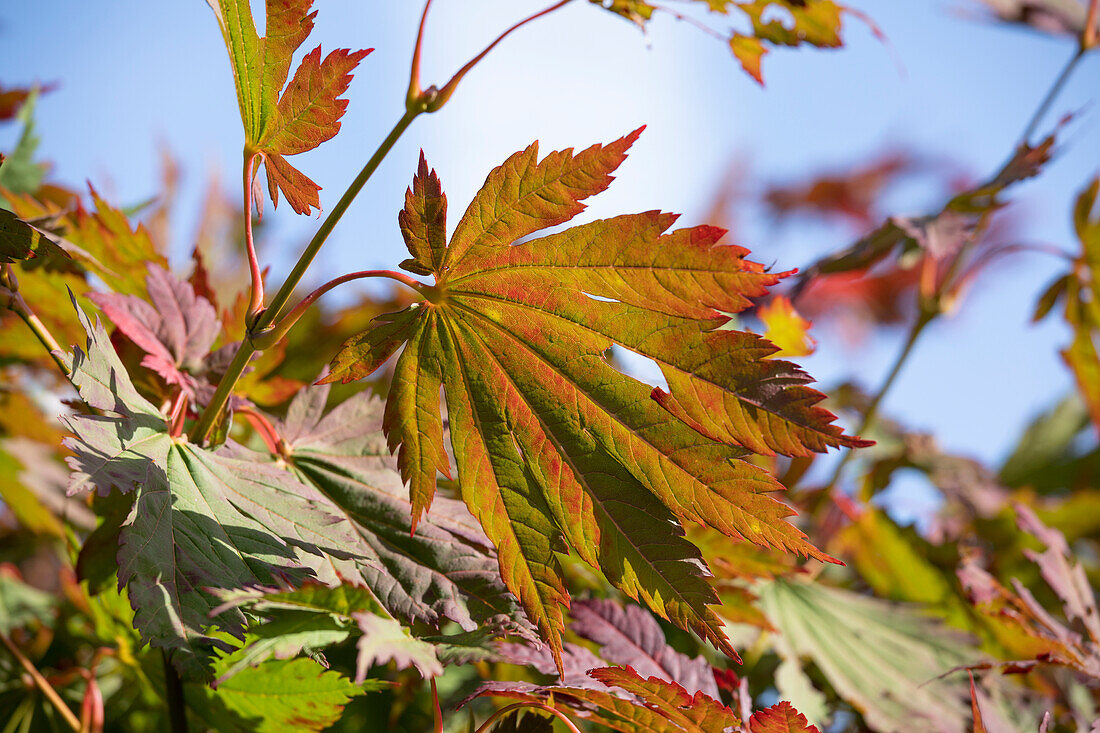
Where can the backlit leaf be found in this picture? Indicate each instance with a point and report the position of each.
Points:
(308, 111)
(296, 694)
(780, 718)
(553, 445)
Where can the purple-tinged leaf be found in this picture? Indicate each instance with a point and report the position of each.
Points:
(630, 636)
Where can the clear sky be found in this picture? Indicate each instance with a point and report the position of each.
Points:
(136, 74)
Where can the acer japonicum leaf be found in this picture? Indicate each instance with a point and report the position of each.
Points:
(1073, 643)
(554, 446)
(308, 111)
(103, 242)
(1079, 290)
(771, 23)
(630, 703)
(443, 570)
(629, 636)
(175, 327)
(20, 241)
(879, 271)
(780, 718)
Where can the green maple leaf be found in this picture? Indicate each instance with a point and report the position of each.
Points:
(555, 448)
(278, 695)
(309, 110)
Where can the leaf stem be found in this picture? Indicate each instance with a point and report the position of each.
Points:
(925, 317)
(440, 98)
(437, 713)
(256, 301)
(173, 692)
(287, 322)
(1052, 94)
(538, 706)
(267, 432)
(42, 684)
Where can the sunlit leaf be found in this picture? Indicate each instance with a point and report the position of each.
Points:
(308, 111)
(552, 443)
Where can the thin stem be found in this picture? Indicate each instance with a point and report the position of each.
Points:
(177, 414)
(173, 692)
(299, 310)
(202, 428)
(693, 22)
(200, 431)
(264, 428)
(415, 95)
(437, 712)
(923, 319)
(256, 301)
(1048, 100)
(449, 88)
(40, 681)
(538, 706)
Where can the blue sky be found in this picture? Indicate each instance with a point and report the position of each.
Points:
(134, 75)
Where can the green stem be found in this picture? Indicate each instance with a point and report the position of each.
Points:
(274, 311)
(1052, 94)
(205, 424)
(173, 692)
(42, 684)
(923, 319)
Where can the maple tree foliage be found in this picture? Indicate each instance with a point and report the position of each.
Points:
(551, 442)
(476, 502)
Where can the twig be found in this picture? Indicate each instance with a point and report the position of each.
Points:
(415, 93)
(1048, 100)
(40, 681)
(923, 319)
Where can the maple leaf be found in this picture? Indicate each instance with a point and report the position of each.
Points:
(278, 695)
(552, 442)
(786, 328)
(1080, 291)
(630, 703)
(814, 22)
(885, 659)
(780, 718)
(20, 241)
(629, 636)
(309, 110)
(1075, 645)
(175, 328)
(445, 570)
